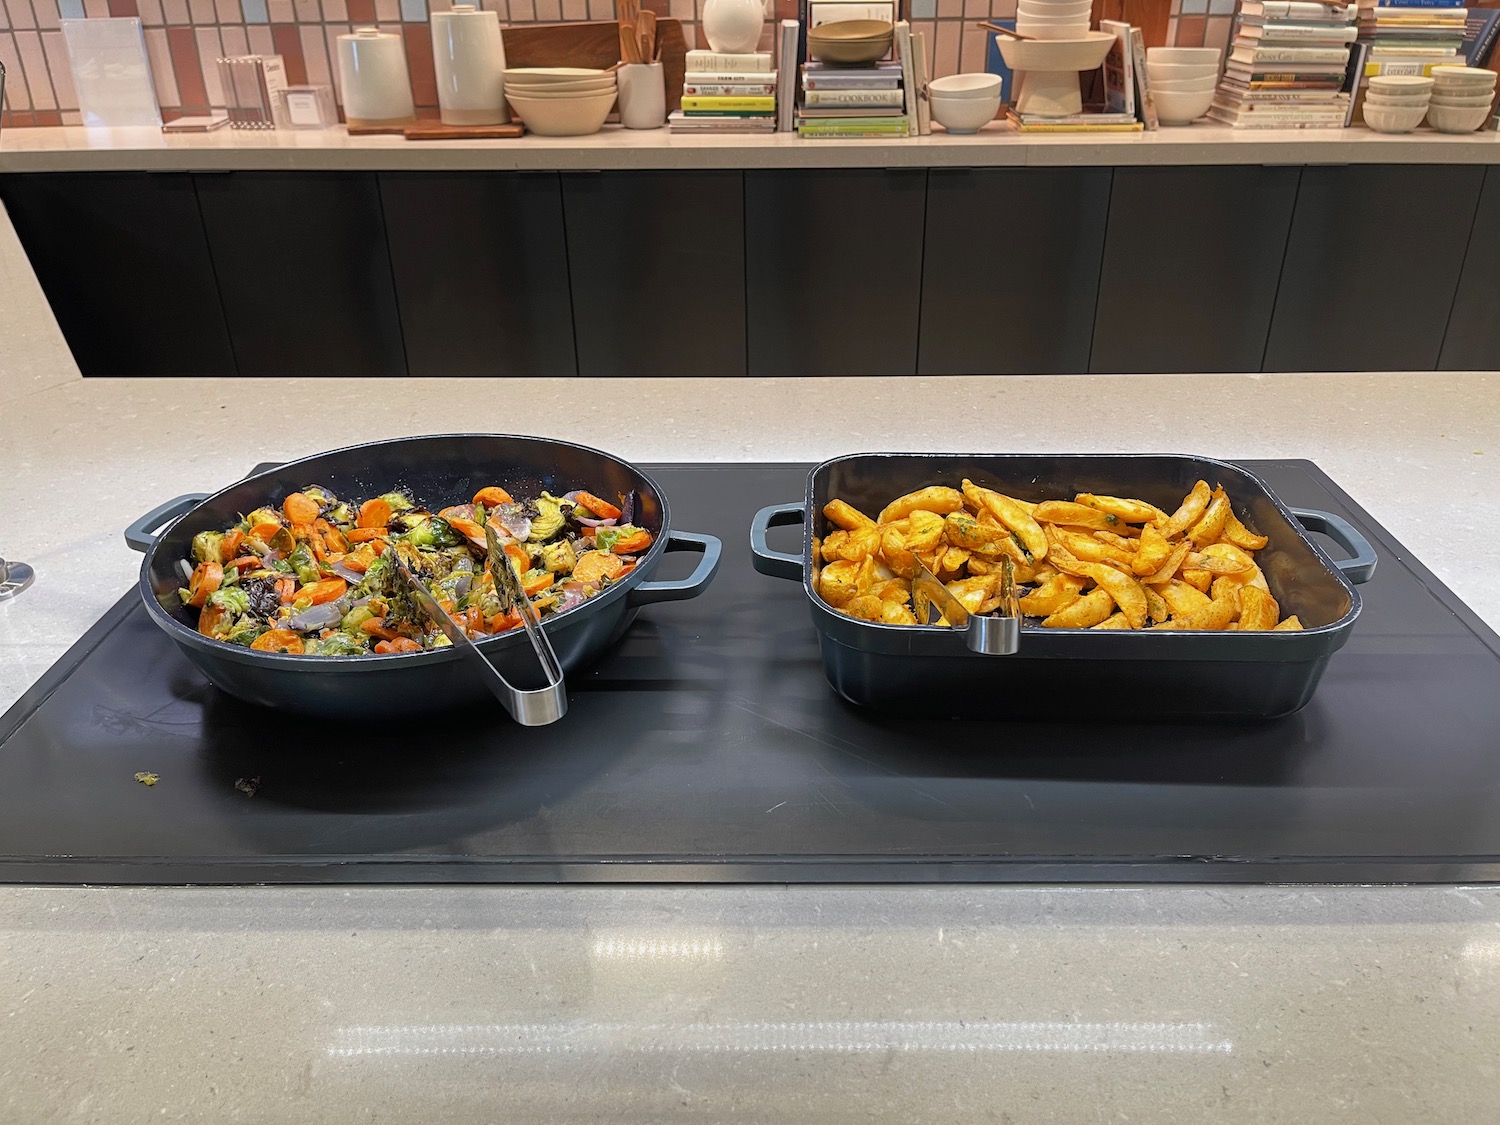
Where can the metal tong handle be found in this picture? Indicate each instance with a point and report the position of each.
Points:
(531, 707)
(15, 576)
(992, 635)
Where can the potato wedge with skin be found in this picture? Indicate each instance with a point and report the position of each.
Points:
(1210, 525)
(1241, 536)
(1152, 551)
(864, 578)
(977, 565)
(935, 498)
(1123, 542)
(892, 590)
(1076, 515)
(846, 516)
(963, 530)
(1113, 621)
(817, 551)
(1213, 617)
(897, 613)
(894, 554)
(1225, 558)
(866, 607)
(955, 559)
(1182, 599)
(1125, 591)
(1055, 594)
(1012, 513)
(833, 544)
(925, 532)
(1156, 605)
(1193, 507)
(1131, 511)
(1258, 610)
(1084, 613)
(1086, 548)
(836, 583)
(1292, 624)
(1194, 576)
(1168, 570)
(974, 592)
(1224, 587)
(1062, 558)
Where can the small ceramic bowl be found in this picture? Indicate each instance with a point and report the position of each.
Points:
(1401, 83)
(1456, 119)
(850, 42)
(1156, 70)
(1398, 100)
(978, 86)
(1181, 107)
(1463, 75)
(959, 113)
(1393, 118)
(1200, 55)
(1185, 85)
(1465, 101)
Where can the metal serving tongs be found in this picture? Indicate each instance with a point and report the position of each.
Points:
(997, 634)
(14, 576)
(531, 707)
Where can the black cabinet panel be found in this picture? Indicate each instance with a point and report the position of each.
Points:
(1014, 296)
(1473, 339)
(303, 272)
(481, 271)
(1191, 265)
(833, 267)
(125, 266)
(657, 261)
(1371, 267)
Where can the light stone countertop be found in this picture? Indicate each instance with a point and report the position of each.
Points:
(77, 149)
(712, 1004)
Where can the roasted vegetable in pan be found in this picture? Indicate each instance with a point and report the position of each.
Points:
(1093, 562)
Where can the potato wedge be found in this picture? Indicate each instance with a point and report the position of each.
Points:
(1292, 624)
(892, 590)
(894, 554)
(1113, 621)
(1088, 549)
(1156, 606)
(1131, 511)
(1213, 617)
(935, 498)
(1168, 569)
(1125, 591)
(1152, 550)
(1258, 610)
(1059, 555)
(1241, 536)
(836, 583)
(1196, 576)
(974, 592)
(1225, 558)
(1084, 613)
(846, 516)
(962, 530)
(1193, 506)
(1210, 525)
(1055, 594)
(1076, 515)
(896, 613)
(864, 578)
(1124, 542)
(833, 544)
(817, 551)
(1181, 598)
(926, 531)
(1012, 513)
(866, 607)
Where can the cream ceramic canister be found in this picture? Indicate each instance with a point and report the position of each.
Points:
(733, 27)
(468, 55)
(374, 80)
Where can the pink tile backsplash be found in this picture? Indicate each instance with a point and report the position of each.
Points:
(21, 15)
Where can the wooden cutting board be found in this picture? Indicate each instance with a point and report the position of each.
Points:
(595, 44)
(437, 131)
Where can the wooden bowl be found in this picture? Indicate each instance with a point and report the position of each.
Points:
(850, 42)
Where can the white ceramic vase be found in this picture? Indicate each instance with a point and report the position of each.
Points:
(376, 85)
(643, 95)
(469, 58)
(733, 26)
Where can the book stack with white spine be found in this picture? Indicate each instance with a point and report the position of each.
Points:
(727, 93)
(1405, 37)
(1287, 66)
(878, 100)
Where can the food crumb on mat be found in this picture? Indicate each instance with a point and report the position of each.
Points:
(249, 786)
(148, 778)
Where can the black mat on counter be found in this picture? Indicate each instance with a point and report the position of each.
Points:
(709, 748)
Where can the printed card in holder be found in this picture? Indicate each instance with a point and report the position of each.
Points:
(111, 72)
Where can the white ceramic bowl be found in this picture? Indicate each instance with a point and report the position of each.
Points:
(1161, 70)
(1393, 118)
(1398, 99)
(559, 95)
(553, 73)
(1200, 55)
(1441, 90)
(1184, 85)
(956, 86)
(1181, 107)
(1466, 101)
(1026, 17)
(1400, 83)
(1069, 31)
(1454, 119)
(582, 86)
(1074, 9)
(961, 113)
(1468, 75)
(1084, 51)
(563, 117)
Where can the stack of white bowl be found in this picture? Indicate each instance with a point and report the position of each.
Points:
(1053, 19)
(1463, 98)
(1182, 81)
(560, 101)
(1396, 103)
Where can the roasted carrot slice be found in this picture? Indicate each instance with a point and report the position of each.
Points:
(469, 530)
(264, 531)
(333, 538)
(602, 509)
(474, 619)
(458, 511)
(594, 566)
(500, 622)
(231, 544)
(632, 544)
(534, 584)
(376, 627)
(300, 509)
(207, 578)
(278, 640)
(517, 554)
(365, 534)
(286, 590)
(356, 562)
(243, 561)
(210, 619)
(374, 513)
(491, 496)
(328, 590)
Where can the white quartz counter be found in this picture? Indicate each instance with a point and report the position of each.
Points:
(76, 149)
(699, 1004)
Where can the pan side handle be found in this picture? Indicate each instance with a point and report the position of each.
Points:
(142, 533)
(694, 584)
(777, 564)
(1360, 568)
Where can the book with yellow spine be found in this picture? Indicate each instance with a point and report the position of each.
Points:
(717, 104)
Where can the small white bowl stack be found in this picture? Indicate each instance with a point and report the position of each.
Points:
(1182, 81)
(1463, 98)
(1396, 103)
(1053, 19)
(561, 101)
(964, 103)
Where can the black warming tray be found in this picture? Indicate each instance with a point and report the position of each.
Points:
(1114, 674)
(707, 747)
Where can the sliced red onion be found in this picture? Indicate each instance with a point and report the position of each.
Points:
(353, 577)
(461, 587)
(185, 568)
(573, 593)
(595, 523)
(587, 521)
(357, 602)
(516, 524)
(316, 617)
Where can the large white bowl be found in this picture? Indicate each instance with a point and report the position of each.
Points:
(582, 86)
(553, 73)
(1161, 70)
(1466, 75)
(1393, 118)
(1452, 119)
(563, 117)
(1022, 17)
(1181, 107)
(1077, 9)
(1183, 55)
(1184, 85)
(1085, 51)
(1400, 83)
(1070, 32)
(961, 113)
(955, 86)
(559, 95)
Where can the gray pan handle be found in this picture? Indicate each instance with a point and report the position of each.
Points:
(777, 564)
(143, 532)
(680, 589)
(1360, 568)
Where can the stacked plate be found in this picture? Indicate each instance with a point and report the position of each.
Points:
(1053, 19)
(1463, 98)
(1182, 81)
(561, 101)
(1396, 103)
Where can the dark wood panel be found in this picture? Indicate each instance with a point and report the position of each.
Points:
(124, 263)
(657, 262)
(1371, 267)
(833, 266)
(304, 272)
(1014, 295)
(481, 272)
(1472, 342)
(1191, 264)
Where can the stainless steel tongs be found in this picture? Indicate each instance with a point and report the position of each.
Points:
(531, 707)
(997, 634)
